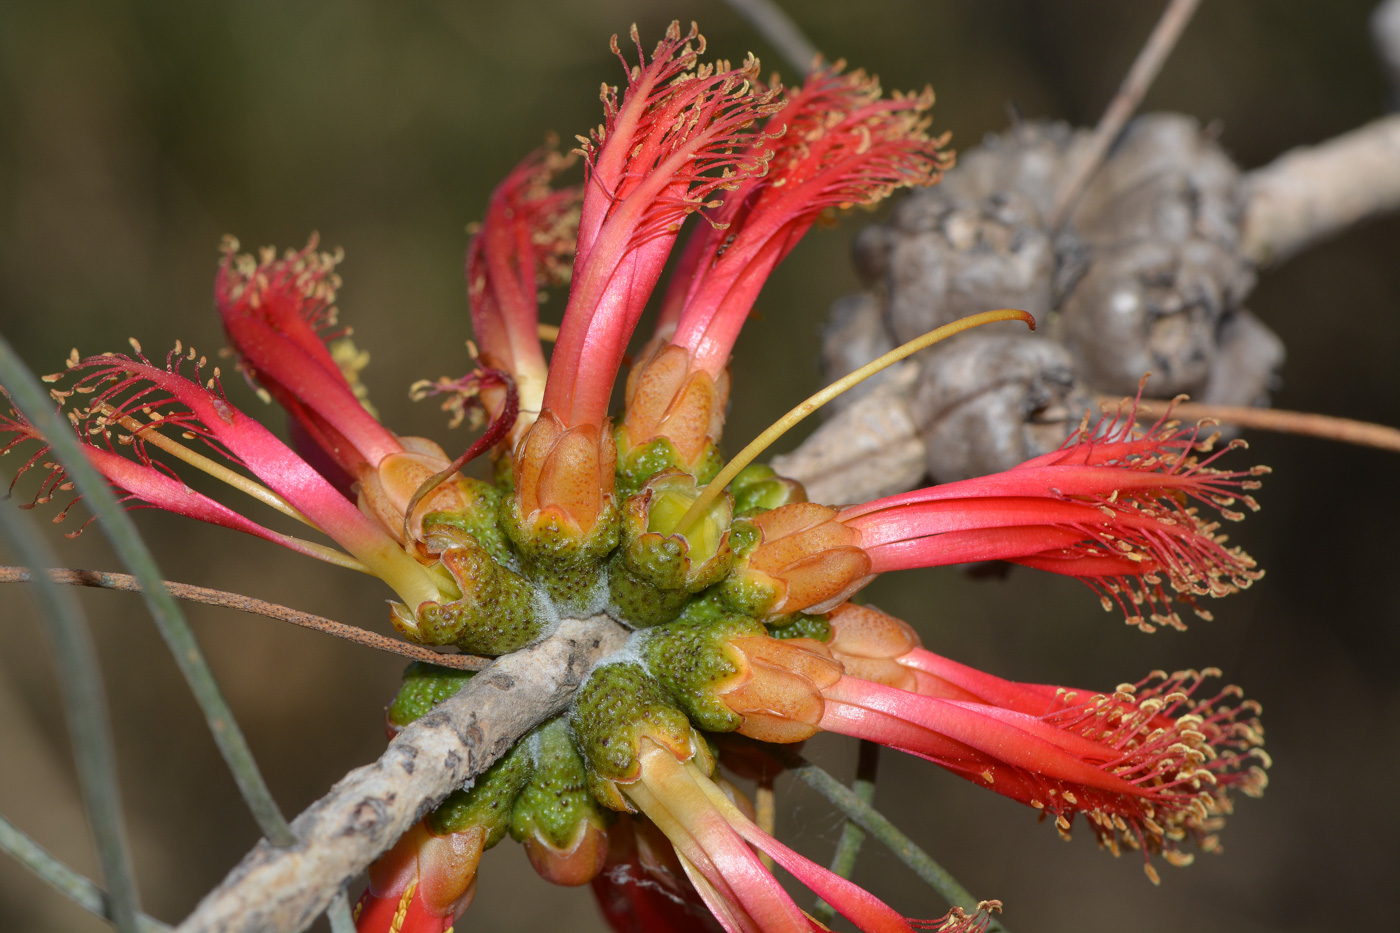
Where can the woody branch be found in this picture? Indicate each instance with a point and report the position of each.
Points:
(340, 834)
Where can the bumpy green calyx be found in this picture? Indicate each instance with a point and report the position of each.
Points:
(480, 518)
(693, 659)
(612, 712)
(555, 801)
(745, 593)
(800, 625)
(659, 564)
(759, 488)
(638, 464)
(424, 686)
(566, 564)
(488, 802)
(498, 612)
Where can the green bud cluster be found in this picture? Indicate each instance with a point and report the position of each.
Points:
(539, 788)
(556, 800)
(497, 613)
(676, 586)
(516, 581)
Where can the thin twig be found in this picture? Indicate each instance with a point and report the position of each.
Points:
(89, 723)
(77, 888)
(878, 825)
(848, 846)
(773, 24)
(1312, 193)
(1130, 93)
(368, 809)
(211, 597)
(32, 401)
(1346, 430)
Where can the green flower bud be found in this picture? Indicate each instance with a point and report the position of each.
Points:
(759, 488)
(497, 613)
(555, 816)
(618, 706)
(564, 563)
(489, 801)
(740, 592)
(692, 658)
(659, 566)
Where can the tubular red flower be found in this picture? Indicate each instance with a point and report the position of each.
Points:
(526, 240)
(421, 885)
(1148, 765)
(273, 312)
(643, 887)
(838, 144)
(874, 645)
(115, 389)
(676, 138)
(1111, 507)
(713, 837)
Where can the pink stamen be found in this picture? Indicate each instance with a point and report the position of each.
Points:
(1110, 508)
(837, 144)
(677, 138)
(272, 311)
(116, 387)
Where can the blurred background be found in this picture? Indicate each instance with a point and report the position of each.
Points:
(132, 136)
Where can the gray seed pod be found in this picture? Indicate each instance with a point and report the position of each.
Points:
(993, 400)
(1247, 361)
(951, 256)
(1146, 276)
(1029, 158)
(1161, 223)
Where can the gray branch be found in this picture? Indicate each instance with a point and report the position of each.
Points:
(1315, 192)
(367, 810)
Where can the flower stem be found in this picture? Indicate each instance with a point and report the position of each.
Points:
(878, 825)
(211, 597)
(848, 846)
(34, 403)
(1345, 430)
(64, 880)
